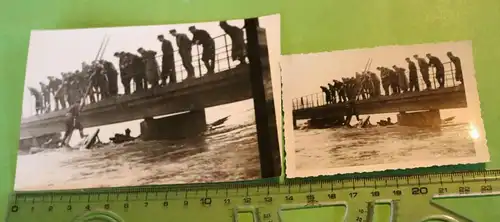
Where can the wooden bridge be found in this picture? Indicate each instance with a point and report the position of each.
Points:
(230, 83)
(452, 96)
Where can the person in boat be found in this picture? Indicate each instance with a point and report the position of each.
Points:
(121, 138)
(385, 122)
(72, 121)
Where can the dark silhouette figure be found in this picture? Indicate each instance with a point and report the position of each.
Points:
(350, 110)
(402, 80)
(56, 88)
(121, 138)
(332, 90)
(167, 61)
(185, 46)
(414, 87)
(201, 37)
(112, 76)
(38, 100)
(72, 121)
(99, 80)
(151, 65)
(375, 82)
(394, 80)
(238, 47)
(386, 80)
(458, 67)
(46, 96)
(328, 96)
(341, 90)
(125, 77)
(434, 61)
(138, 66)
(424, 70)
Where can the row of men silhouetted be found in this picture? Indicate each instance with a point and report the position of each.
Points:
(99, 80)
(393, 81)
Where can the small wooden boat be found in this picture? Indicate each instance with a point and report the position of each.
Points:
(218, 122)
(448, 119)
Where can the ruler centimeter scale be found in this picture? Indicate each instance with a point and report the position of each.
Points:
(433, 197)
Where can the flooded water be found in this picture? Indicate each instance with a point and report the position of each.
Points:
(228, 153)
(344, 147)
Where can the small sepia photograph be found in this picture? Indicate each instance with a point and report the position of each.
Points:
(145, 105)
(375, 109)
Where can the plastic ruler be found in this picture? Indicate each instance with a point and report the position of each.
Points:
(467, 196)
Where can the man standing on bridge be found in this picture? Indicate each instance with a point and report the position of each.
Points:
(328, 96)
(72, 121)
(394, 79)
(424, 70)
(55, 87)
(414, 87)
(38, 100)
(458, 67)
(201, 37)
(238, 47)
(434, 61)
(386, 82)
(112, 76)
(46, 97)
(167, 61)
(124, 76)
(185, 47)
(402, 80)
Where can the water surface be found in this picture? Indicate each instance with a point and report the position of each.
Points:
(344, 147)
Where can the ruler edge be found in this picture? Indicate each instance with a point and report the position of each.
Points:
(494, 174)
(270, 182)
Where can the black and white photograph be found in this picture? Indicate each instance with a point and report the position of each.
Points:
(374, 109)
(156, 104)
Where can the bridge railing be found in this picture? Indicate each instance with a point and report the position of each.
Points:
(319, 99)
(223, 61)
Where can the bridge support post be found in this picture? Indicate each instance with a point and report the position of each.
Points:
(431, 118)
(174, 127)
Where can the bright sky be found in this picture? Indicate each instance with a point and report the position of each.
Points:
(303, 74)
(322, 68)
(54, 51)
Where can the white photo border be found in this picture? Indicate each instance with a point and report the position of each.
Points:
(473, 104)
